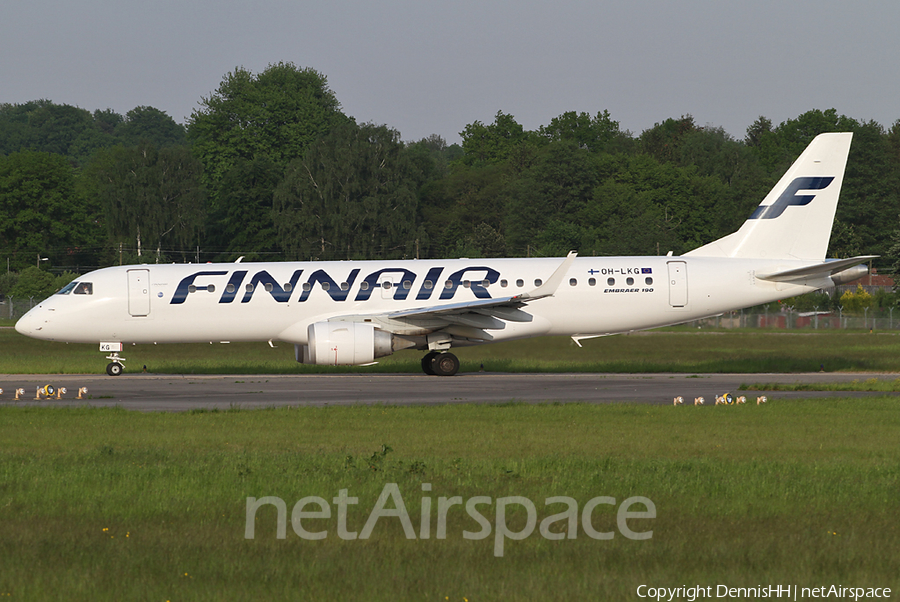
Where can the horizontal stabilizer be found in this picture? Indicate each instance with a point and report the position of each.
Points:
(820, 270)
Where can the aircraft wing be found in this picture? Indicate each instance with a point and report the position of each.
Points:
(469, 319)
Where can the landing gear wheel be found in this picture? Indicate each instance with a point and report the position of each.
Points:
(114, 368)
(445, 364)
(426, 363)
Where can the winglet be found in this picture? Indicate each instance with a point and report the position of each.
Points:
(548, 288)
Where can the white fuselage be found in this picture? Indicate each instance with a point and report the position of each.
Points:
(181, 303)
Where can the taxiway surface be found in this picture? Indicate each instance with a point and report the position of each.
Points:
(150, 392)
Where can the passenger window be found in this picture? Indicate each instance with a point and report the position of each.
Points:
(629, 281)
(503, 283)
(84, 288)
(386, 285)
(326, 286)
(229, 288)
(485, 283)
(307, 286)
(538, 282)
(592, 282)
(407, 284)
(520, 283)
(573, 282)
(249, 288)
(466, 283)
(611, 281)
(429, 285)
(288, 287)
(363, 286)
(345, 286)
(211, 288)
(649, 281)
(192, 289)
(448, 284)
(268, 287)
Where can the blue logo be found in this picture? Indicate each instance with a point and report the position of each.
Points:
(790, 197)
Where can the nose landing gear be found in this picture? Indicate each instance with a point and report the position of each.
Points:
(115, 367)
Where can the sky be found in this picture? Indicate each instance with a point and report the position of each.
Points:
(425, 67)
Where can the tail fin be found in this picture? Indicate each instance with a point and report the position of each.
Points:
(794, 220)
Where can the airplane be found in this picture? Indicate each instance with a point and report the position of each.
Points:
(353, 312)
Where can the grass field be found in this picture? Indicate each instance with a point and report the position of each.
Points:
(679, 350)
(104, 504)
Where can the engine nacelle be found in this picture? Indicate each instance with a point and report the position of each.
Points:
(850, 274)
(343, 344)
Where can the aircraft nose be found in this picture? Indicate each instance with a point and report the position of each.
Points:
(29, 324)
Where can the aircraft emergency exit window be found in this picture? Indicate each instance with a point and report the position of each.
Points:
(648, 281)
(211, 288)
(386, 285)
(288, 287)
(520, 283)
(192, 289)
(326, 286)
(67, 288)
(84, 288)
(429, 285)
(592, 282)
(629, 281)
(538, 282)
(503, 283)
(610, 281)
(229, 288)
(573, 282)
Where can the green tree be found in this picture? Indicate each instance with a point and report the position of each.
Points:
(41, 212)
(497, 142)
(35, 283)
(857, 301)
(243, 221)
(275, 115)
(151, 196)
(48, 127)
(146, 124)
(595, 134)
(351, 196)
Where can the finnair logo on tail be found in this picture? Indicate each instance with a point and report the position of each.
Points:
(790, 197)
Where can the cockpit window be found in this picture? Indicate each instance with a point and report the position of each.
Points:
(84, 288)
(67, 288)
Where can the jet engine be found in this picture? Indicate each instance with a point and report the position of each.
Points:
(343, 343)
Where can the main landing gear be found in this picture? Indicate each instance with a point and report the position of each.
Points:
(435, 363)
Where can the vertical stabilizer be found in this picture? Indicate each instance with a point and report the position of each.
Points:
(794, 220)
